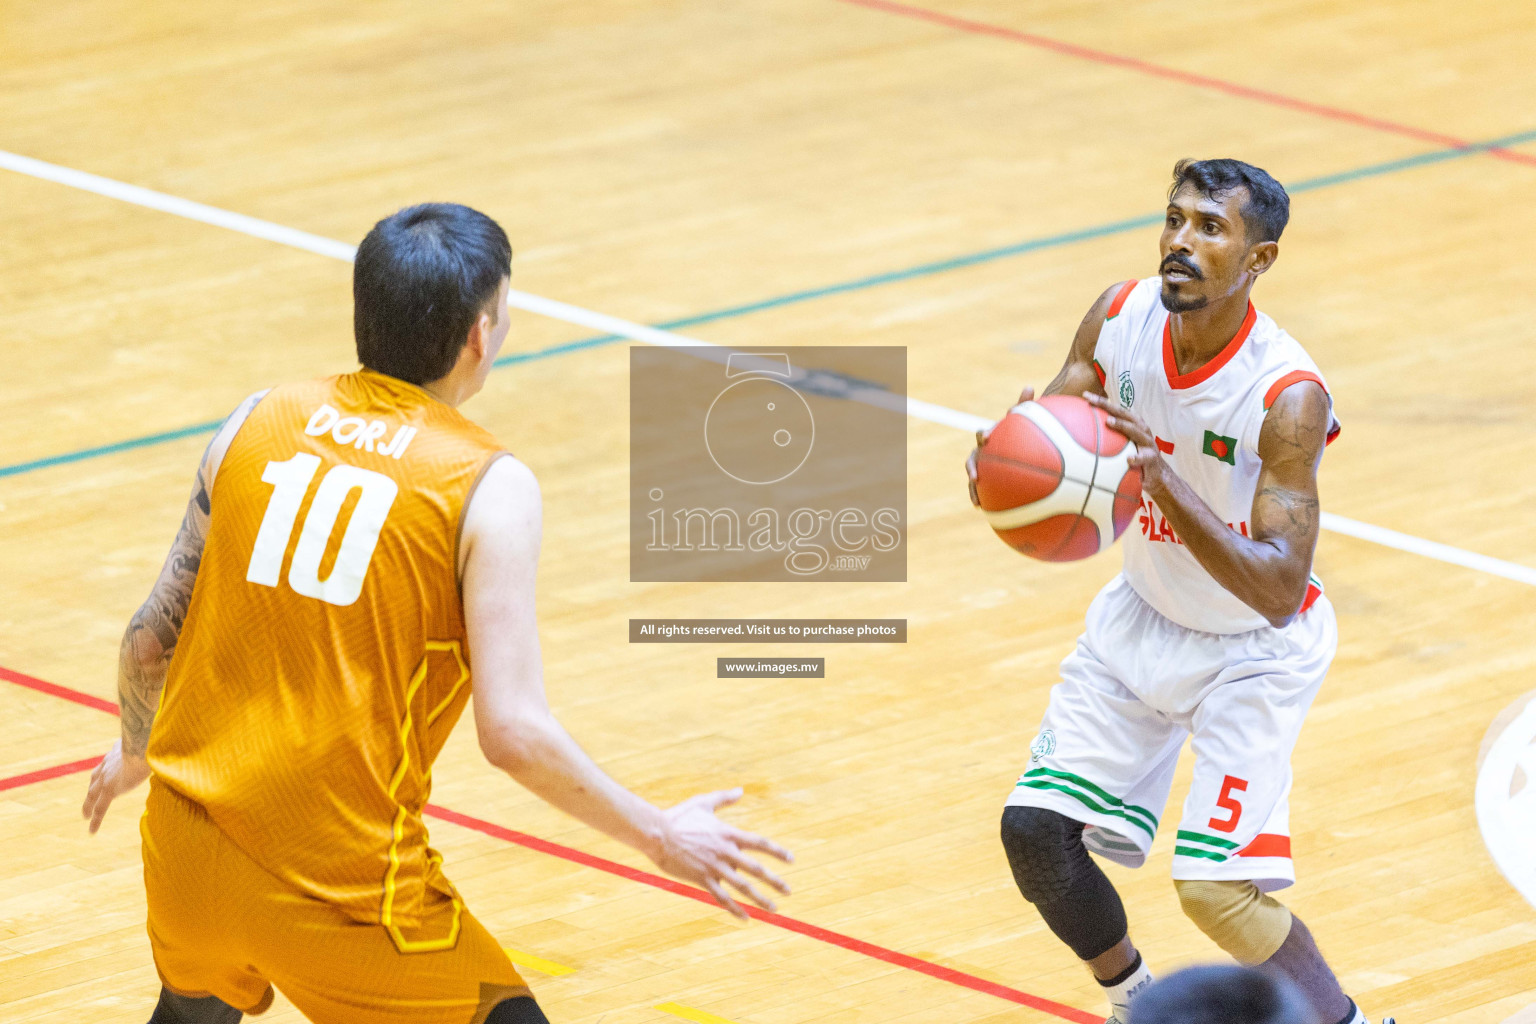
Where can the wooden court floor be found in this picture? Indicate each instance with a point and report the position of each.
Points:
(660, 161)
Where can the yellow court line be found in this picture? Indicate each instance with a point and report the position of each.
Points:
(536, 963)
(689, 1013)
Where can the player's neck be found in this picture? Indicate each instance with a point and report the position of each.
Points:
(1200, 335)
(445, 390)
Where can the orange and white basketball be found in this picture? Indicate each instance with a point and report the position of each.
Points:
(1055, 481)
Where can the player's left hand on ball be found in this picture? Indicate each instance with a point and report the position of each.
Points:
(970, 469)
(117, 773)
(1025, 395)
(698, 847)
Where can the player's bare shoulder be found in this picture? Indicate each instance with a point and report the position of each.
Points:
(504, 513)
(1296, 426)
(1078, 375)
(1093, 321)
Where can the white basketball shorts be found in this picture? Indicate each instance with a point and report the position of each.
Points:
(1134, 688)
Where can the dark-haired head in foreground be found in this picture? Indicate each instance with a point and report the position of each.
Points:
(1220, 995)
(1223, 224)
(424, 280)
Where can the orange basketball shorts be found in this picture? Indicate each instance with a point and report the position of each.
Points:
(220, 925)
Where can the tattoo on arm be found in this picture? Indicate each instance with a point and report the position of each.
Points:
(1295, 512)
(156, 627)
(1077, 375)
(1286, 512)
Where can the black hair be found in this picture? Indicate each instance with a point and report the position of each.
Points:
(421, 278)
(1220, 995)
(1267, 208)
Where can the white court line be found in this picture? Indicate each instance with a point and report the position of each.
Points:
(180, 207)
(568, 313)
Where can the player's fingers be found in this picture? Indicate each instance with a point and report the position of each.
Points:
(1131, 429)
(99, 811)
(92, 793)
(725, 901)
(745, 886)
(720, 798)
(751, 866)
(1027, 395)
(753, 841)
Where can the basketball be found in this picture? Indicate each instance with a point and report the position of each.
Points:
(1055, 481)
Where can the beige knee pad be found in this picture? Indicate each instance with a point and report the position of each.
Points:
(1248, 924)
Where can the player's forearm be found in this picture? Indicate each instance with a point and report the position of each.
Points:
(141, 667)
(542, 757)
(1260, 573)
(155, 629)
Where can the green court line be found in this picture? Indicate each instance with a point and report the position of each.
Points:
(855, 285)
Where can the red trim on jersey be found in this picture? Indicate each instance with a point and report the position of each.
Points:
(1166, 447)
(1267, 844)
(1103, 378)
(1120, 297)
(1313, 593)
(1199, 376)
(1296, 377)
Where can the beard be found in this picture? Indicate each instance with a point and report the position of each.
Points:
(1174, 304)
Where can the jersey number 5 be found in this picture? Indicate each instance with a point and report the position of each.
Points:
(290, 482)
(1227, 802)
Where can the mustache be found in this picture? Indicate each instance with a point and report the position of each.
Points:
(1174, 259)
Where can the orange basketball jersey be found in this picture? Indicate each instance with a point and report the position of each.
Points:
(322, 663)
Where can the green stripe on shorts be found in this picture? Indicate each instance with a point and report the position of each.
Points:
(1190, 851)
(1200, 837)
(1113, 801)
(1084, 799)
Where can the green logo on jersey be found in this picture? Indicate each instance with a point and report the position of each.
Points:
(1127, 389)
(1044, 745)
(1222, 449)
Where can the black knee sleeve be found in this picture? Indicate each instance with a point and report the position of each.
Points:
(1053, 870)
(175, 1009)
(522, 1010)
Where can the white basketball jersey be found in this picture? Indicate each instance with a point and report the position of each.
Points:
(1207, 426)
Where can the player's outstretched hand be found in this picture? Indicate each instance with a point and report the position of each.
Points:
(116, 775)
(698, 847)
(1027, 395)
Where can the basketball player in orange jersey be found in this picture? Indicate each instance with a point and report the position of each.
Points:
(357, 557)
(1215, 630)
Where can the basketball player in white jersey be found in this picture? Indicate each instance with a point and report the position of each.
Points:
(1215, 630)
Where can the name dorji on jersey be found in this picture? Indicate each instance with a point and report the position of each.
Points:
(356, 432)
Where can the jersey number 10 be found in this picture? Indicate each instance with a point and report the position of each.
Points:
(290, 482)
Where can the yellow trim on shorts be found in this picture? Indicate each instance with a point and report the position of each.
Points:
(387, 909)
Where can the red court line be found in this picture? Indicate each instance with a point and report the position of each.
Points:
(817, 932)
(57, 771)
(55, 690)
(1186, 77)
(576, 856)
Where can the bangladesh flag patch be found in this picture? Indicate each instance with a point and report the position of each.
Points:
(1223, 449)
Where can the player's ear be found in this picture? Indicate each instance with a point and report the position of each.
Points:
(1262, 256)
(478, 343)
